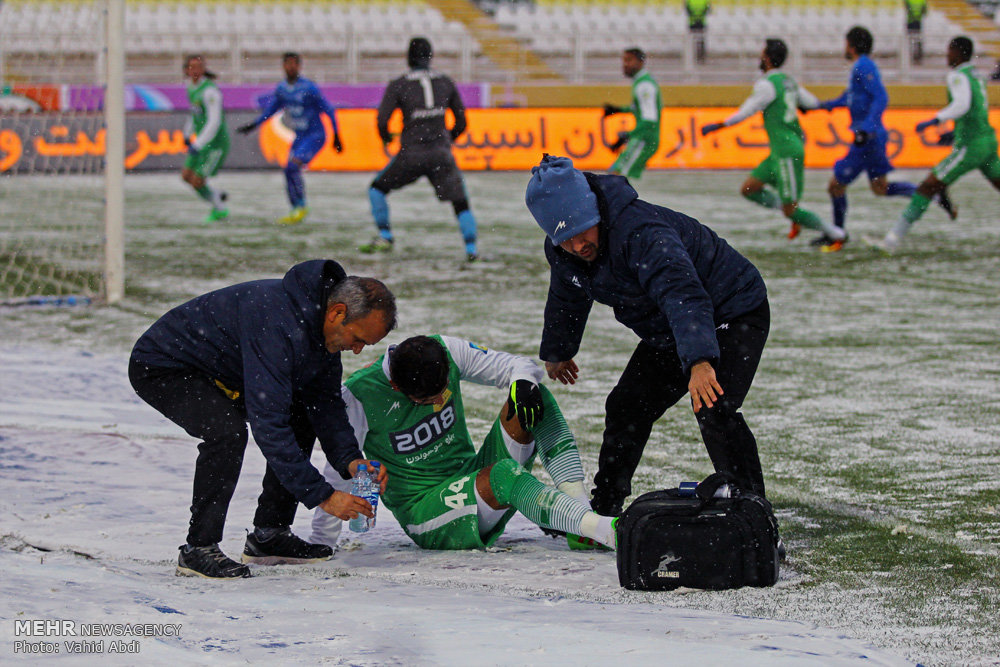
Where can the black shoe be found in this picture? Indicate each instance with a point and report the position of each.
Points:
(820, 241)
(944, 201)
(285, 548)
(606, 507)
(208, 562)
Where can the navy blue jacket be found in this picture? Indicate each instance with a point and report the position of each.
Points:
(669, 278)
(265, 339)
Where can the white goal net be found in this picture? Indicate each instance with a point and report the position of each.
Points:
(54, 138)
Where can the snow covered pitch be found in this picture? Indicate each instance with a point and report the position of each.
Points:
(875, 407)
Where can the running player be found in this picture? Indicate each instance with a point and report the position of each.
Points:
(641, 143)
(205, 135)
(779, 96)
(423, 96)
(866, 98)
(407, 411)
(303, 103)
(974, 139)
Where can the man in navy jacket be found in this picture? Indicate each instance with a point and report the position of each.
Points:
(265, 352)
(698, 306)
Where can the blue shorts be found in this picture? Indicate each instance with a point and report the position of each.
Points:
(306, 145)
(870, 157)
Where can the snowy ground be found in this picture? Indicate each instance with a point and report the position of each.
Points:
(875, 408)
(92, 512)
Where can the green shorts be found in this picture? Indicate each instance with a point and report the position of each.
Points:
(785, 173)
(207, 161)
(632, 162)
(445, 516)
(979, 154)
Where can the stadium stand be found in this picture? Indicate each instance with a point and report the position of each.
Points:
(512, 41)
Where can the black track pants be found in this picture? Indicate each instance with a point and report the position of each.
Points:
(195, 403)
(653, 381)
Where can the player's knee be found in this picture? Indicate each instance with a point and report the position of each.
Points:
(750, 187)
(836, 188)
(879, 188)
(292, 167)
(930, 187)
(460, 206)
(501, 477)
(789, 208)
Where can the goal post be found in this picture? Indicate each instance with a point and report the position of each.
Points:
(114, 163)
(62, 151)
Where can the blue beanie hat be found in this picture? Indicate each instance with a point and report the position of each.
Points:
(560, 199)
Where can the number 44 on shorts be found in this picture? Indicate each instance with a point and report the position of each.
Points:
(457, 500)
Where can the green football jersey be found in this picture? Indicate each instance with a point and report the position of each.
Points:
(205, 98)
(975, 123)
(419, 445)
(781, 119)
(646, 105)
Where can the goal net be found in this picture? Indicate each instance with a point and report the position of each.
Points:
(54, 187)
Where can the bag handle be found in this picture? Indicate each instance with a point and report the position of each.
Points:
(706, 490)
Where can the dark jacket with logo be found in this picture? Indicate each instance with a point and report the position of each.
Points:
(264, 339)
(668, 278)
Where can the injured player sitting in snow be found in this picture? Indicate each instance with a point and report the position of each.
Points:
(406, 410)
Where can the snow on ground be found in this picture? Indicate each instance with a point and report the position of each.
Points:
(93, 489)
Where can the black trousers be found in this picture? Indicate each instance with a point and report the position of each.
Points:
(654, 380)
(194, 402)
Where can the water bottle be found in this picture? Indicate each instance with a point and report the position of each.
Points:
(361, 486)
(373, 496)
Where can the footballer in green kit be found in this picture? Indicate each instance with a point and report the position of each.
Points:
(206, 136)
(779, 97)
(973, 141)
(407, 412)
(641, 143)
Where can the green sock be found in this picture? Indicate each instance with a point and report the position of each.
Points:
(918, 204)
(515, 486)
(555, 443)
(766, 198)
(807, 219)
(205, 193)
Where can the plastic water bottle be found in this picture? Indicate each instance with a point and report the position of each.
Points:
(373, 496)
(361, 486)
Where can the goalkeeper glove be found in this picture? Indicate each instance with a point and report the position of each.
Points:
(337, 146)
(622, 140)
(248, 128)
(861, 137)
(525, 401)
(710, 128)
(946, 139)
(927, 123)
(611, 109)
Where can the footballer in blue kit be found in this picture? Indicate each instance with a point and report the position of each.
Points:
(866, 98)
(303, 104)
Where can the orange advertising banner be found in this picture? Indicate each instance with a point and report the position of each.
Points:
(515, 139)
